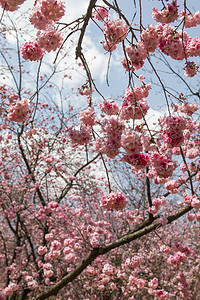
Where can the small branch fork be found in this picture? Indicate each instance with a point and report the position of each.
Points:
(146, 227)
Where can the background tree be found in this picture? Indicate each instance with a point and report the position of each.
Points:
(97, 200)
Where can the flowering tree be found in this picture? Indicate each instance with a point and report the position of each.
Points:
(98, 202)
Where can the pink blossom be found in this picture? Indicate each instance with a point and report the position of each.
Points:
(39, 20)
(115, 32)
(137, 54)
(42, 250)
(167, 15)
(53, 9)
(164, 167)
(190, 20)
(170, 42)
(18, 111)
(153, 283)
(188, 109)
(81, 136)
(88, 116)
(5, 5)
(50, 39)
(139, 161)
(101, 13)
(130, 141)
(31, 51)
(116, 201)
(109, 107)
(10, 289)
(191, 69)
(149, 37)
(86, 90)
(108, 269)
(195, 202)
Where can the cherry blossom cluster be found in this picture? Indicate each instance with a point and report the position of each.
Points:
(137, 93)
(115, 32)
(11, 5)
(184, 286)
(111, 142)
(31, 51)
(43, 18)
(138, 161)
(191, 69)
(172, 130)
(137, 54)
(156, 204)
(135, 106)
(10, 289)
(49, 39)
(18, 111)
(130, 141)
(109, 107)
(149, 37)
(193, 201)
(167, 15)
(31, 283)
(161, 166)
(101, 13)
(116, 201)
(190, 20)
(186, 108)
(80, 136)
(88, 116)
(85, 90)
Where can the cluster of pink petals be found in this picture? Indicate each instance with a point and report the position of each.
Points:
(115, 32)
(88, 116)
(156, 204)
(18, 111)
(85, 90)
(139, 161)
(184, 286)
(11, 5)
(127, 64)
(177, 258)
(172, 130)
(172, 186)
(192, 201)
(13, 96)
(10, 289)
(153, 283)
(162, 166)
(149, 37)
(137, 93)
(109, 107)
(80, 137)
(190, 20)
(39, 20)
(167, 15)
(191, 69)
(116, 201)
(159, 294)
(50, 39)
(101, 13)
(188, 109)
(172, 42)
(111, 142)
(137, 54)
(31, 51)
(130, 141)
(32, 284)
(47, 268)
(53, 9)
(133, 111)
